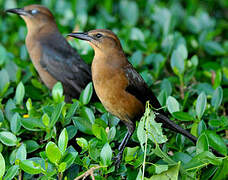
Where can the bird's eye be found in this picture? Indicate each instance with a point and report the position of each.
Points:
(34, 11)
(99, 35)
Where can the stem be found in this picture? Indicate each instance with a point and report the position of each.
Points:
(20, 176)
(181, 86)
(60, 176)
(144, 161)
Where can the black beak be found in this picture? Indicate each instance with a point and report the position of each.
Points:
(19, 11)
(82, 36)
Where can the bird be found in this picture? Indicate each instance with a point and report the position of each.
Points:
(51, 54)
(120, 88)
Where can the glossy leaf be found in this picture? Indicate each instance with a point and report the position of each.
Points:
(83, 125)
(216, 142)
(2, 167)
(217, 98)
(57, 92)
(182, 116)
(20, 92)
(172, 104)
(86, 94)
(63, 141)
(21, 153)
(106, 154)
(11, 173)
(8, 138)
(53, 153)
(30, 167)
(201, 104)
(202, 144)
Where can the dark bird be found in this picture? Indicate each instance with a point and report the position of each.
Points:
(122, 91)
(53, 57)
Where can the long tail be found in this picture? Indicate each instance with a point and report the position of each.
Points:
(167, 123)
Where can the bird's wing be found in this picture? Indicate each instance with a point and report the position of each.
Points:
(138, 87)
(64, 64)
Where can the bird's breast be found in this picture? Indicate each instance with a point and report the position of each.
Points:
(35, 53)
(110, 85)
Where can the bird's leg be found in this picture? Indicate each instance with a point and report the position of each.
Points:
(123, 144)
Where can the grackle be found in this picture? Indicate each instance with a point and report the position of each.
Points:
(122, 91)
(53, 57)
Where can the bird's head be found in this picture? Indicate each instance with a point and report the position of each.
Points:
(35, 16)
(101, 40)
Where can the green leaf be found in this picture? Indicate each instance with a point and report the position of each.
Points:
(148, 125)
(201, 160)
(99, 132)
(32, 124)
(82, 142)
(46, 120)
(171, 174)
(222, 171)
(12, 171)
(160, 168)
(21, 153)
(177, 62)
(2, 167)
(71, 112)
(8, 138)
(15, 123)
(201, 104)
(4, 83)
(106, 155)
(216, 142)
(217, 97)
(57, 92)
(202, 144)
(162, 17)
(56, 114)
(131, 153)
(83, 125)
(1, 116)
(139, 176)
(182, 116)
(88, 114)
(182, 50)
(29, 104)
(214, 48)
(30, 167)
(62, 167)
(172, 104)
(70, 158)
(3, 53)
(20, 92)
(86, 94)
(31, 145)
(53, 153)
(63, 140)
(71, 131)
(111, 133)
(131, 16)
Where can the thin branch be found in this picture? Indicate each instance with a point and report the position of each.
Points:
(89, 172)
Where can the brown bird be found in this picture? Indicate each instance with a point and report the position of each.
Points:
(122, 91)
(53, 57)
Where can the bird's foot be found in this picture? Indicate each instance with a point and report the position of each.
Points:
(117, 160)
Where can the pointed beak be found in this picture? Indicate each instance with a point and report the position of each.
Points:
(82, 36)
(19, 11)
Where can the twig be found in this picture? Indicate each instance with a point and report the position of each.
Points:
(89, 172)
